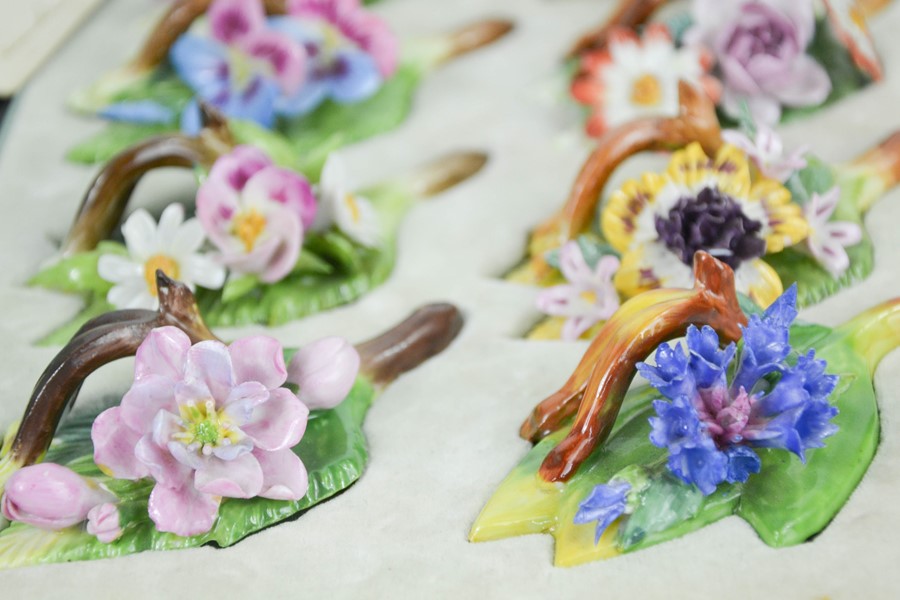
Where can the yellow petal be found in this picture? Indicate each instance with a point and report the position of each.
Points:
(765, 285)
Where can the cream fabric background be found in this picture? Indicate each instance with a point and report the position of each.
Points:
(443, 436)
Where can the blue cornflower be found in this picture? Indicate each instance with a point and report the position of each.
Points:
(606, 503)
(710, 426)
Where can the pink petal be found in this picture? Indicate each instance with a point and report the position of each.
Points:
(574, 327)
(241, 477)
(844, 233)
(183, 511)
(146, 397)
(161, 464)
(807, 84)
(162, 353)
(605, 269)
(279, 422)
(325, 371)
(239, 165)
(258, 358)
(104, 523)
(217, 203)
(289, 231)
(114, 446)
(286, 57)
(286, 188)
(572, 263)
(208, 362)
(284, 475)
(559, 300)
(244, 399)
(233, 20)
(50, 496)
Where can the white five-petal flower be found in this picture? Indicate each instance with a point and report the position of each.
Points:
(352, 214)
(172, 246)
(827, 239)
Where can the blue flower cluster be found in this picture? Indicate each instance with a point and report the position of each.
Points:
(710, 426)
(606, 503)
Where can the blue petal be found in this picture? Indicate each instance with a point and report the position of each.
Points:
(703, 466)
(671, 376)
(788, 394)
(677, 424)
(783, 311)
(190, 118)
(814, 424)
(144, 112)
(742, 461)
(708, 361)
(297, 30)
(605, 504)
(202, 64)
(357, 79)
(818, 383)
(256, 103)
(304, 100)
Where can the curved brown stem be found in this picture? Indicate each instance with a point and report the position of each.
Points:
(629, 13)
(608, 366)
(425, 333)
(102, 340)
(107, 197)
(696, 122)
(176, 20)
(472, 37)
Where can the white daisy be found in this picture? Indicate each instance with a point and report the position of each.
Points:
(352, 214)
(172, 246)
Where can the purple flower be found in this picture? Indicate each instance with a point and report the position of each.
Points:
(255, 213)
(104, 522)
(50, 496)
(350, 52)
(243, 68)
(827, 239)
(710, 426)
(760, 47)
(589, 296)
(204, 422)
(766, 150)
(605, 504)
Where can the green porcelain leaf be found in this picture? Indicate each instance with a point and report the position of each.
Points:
(787, 502)
(333, 449)
(112, 139)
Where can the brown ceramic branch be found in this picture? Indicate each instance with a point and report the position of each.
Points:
(105, 339)
(104, 203)
(598, 385)
(696, 122)
(472, 37)
(176, 20)
(629, 13)
(425, 333)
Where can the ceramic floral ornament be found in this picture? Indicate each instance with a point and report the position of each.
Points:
(762, 57)
(313, 74)
(210, 443)
(266, 245)
(775, 216)
(754, 415)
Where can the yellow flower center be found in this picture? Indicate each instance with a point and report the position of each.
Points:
(166, 264)
(589, 297)
(646, 91)
(204, 427)
(248, 226)
(857, 16)
(353, 207)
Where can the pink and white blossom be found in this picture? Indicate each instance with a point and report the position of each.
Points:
(766, 150)
(255, 213)
(828, 239)
(589, 295)
(104, 522)
(50, 496)
(205, 421)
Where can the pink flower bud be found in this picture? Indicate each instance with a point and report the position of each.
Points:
(103, 522)
(50, 496)
(325, 371)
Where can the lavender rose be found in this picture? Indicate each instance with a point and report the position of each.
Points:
(760, 48)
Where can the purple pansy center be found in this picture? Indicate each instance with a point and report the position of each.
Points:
(711, 221)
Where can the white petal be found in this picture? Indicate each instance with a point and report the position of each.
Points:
(169, 223)
(140, 234)
(187, 240)
(132, 294)
(116, 269)
(356, 217)
(203, 271)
